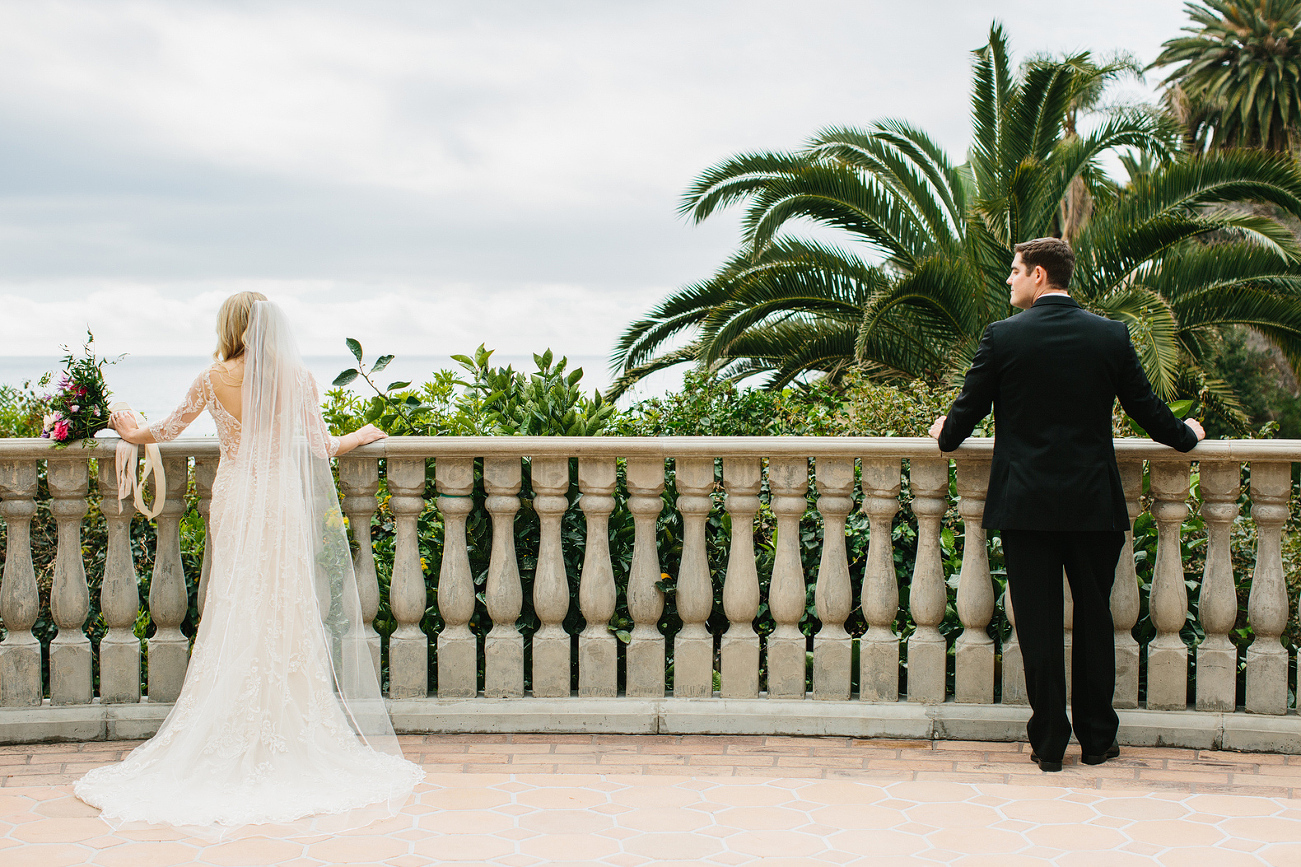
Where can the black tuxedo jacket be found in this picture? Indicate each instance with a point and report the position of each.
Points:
(1052, 374)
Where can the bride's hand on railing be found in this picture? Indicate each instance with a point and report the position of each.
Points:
(368, 434)
(360, 437)
(125, 425)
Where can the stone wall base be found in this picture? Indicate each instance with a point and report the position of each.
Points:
(682, 716)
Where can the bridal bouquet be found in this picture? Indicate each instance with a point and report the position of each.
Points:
(78, 409)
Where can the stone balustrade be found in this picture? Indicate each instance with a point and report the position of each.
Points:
(725, 680)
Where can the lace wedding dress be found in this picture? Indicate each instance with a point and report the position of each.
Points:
(280, 717)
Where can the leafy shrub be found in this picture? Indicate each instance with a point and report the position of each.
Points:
(21, 409)
(490, 401)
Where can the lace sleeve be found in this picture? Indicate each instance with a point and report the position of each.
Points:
(170, 428)
(318, 434)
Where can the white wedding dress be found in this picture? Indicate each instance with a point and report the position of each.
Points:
(280, 718)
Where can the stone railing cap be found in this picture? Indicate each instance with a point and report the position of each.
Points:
(671, 447)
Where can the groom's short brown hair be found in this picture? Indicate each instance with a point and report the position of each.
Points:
(1054, 255)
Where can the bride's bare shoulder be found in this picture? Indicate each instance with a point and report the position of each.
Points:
(229, 373)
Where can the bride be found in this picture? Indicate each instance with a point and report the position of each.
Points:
(280, 717)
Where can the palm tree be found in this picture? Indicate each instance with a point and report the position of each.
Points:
(1237, 75)
(927, 243)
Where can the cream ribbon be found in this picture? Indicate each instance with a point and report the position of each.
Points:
(127, 454)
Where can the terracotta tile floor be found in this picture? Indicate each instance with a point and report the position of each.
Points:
(625, 801)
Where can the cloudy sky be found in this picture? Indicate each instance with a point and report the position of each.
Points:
(427, 176)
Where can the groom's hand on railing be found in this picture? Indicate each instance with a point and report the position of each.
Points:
(938, 426)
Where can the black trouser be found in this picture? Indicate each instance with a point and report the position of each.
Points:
(1035, 559)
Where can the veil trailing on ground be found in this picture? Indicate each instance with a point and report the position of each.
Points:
(280, 719)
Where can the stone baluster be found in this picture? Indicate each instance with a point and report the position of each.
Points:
(70, 681)
(879, 647)
(1013, 660)
(693, 648)
(169, 648)
(1267, 606)
(833, 595)
(598, 652)
(974, 651)
(119, 597)
(551, 646)
(788, 481)
(408, 646)
(739, 647)
(1217, 657)
(1124, 595)
(504, 647)
(359, 479)
(645, 657)
(20, 603)
(1167, 655)
(205, 473)
(927, 597)
(458, 650)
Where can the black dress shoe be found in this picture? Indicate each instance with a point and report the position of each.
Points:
(1111, 753)
(1046, 767)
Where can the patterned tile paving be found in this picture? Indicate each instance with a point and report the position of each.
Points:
(627, 801)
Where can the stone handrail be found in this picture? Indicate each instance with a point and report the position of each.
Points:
(848, 472)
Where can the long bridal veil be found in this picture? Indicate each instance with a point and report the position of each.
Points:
(286, 511)
(281, 718)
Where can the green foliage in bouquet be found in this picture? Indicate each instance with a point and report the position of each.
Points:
(79, 408)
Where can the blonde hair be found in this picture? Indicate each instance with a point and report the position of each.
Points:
(232, 322)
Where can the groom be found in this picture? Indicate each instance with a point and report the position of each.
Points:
(1053, 374)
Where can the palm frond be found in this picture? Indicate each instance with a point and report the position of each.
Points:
(735, 180)
(838, 197)
(633, 375)
(897, 164)
(776, 294)
(1216, 397)
(801, 347)
(1154, 331)
(992, 92)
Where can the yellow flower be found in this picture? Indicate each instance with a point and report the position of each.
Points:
(424, 567)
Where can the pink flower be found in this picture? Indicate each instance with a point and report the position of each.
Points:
(74, 408)
(60, 430)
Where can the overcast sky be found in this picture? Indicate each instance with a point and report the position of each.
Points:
(427, 176)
